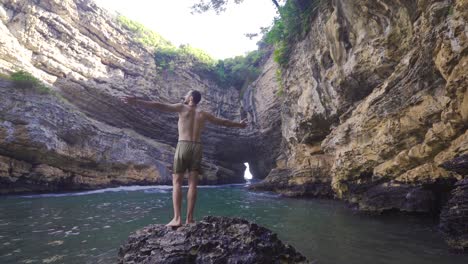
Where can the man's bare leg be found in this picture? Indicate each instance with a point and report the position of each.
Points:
(177, 180)
(191, 195)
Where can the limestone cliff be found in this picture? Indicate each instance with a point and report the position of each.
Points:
(373, 108)
(375, 101)
(89, 139)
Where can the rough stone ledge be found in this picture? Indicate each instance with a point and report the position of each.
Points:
(214, 239)
(283, 182)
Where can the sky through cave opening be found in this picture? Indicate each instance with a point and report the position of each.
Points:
(247, 173)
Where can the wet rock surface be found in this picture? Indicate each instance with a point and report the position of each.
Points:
(454, 217)
(285, 182)
(211, 240)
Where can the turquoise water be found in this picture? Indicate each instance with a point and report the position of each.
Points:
(89, 227)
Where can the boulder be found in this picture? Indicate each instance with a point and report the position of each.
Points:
(212, 240)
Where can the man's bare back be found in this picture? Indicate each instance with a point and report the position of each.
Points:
(191, 123)
(188, 152)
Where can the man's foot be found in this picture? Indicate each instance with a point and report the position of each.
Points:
(189, 222)
(174, 223)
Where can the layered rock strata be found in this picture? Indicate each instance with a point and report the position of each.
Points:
(375, 101)
(90, 60)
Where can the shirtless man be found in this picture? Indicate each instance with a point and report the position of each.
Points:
(188, 154)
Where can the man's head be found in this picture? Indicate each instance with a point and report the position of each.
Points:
(193, 96)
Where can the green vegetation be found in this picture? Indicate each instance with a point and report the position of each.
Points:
(142, 34)
(237, 72)
(240, 70)
(450, 10)
(293, 25)
(26, 79)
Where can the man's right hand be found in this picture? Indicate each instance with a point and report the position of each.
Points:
(128, 99)
(243, 123)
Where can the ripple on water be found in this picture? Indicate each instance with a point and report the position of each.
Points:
(53, 258)
(71, 233)
(55, 232)
(56, 243)
(153, 188)
(26, 261)
(319, 229)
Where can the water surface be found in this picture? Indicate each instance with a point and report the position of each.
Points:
(89, 227)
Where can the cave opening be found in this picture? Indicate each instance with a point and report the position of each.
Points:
(247, 173)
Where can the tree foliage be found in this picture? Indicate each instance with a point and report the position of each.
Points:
(143, 34)
(232, 72)
(217, 5)
(293, 25)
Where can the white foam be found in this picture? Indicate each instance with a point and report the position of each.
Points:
(115, 189)
(152, 188)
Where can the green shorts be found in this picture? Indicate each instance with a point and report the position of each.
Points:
(188, 156)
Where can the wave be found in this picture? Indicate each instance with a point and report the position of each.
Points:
(146, 188)
(162, 188)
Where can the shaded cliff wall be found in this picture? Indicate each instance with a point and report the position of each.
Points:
(90, 60)
(375, 100)
(261, 104)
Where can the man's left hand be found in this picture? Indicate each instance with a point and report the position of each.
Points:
(243, 123)
(128, 99)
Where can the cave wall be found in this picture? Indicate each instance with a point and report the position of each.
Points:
(89, 60)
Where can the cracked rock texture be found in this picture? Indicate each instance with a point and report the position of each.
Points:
(375, 103)
(454, 215)
(375, 109)
(212, 240)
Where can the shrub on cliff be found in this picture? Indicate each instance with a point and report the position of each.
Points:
(292, 25)
(143, 34)
(24, 79)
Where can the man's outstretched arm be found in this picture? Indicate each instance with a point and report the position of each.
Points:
(132, 100)
(224, 122)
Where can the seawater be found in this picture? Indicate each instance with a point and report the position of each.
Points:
(89, 226)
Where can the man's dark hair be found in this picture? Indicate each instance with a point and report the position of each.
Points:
(196, 96)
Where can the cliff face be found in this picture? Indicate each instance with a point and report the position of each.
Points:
(89, 139)
(375, 102)
(371, 108)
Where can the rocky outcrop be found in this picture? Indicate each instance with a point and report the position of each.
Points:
(375, 104)
(303, 183)
(375, 110)
(212, 240)
(454, 217)
(47, 144)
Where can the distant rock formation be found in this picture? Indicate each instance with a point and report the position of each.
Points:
(212, 240)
